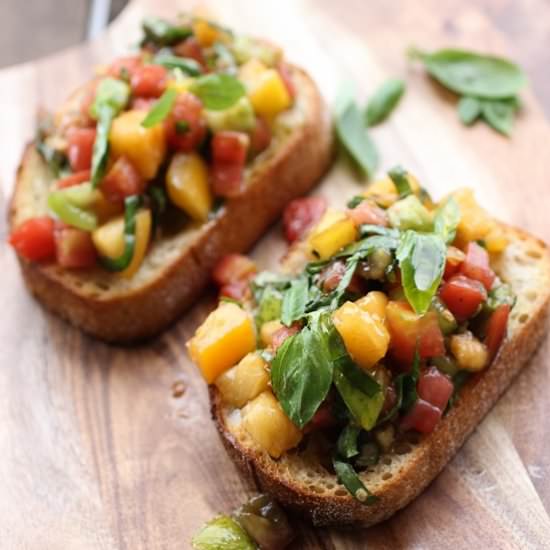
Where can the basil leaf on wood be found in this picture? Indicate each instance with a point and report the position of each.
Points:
(472, 74)
(347, 441)
(499, 115)
(186, 64)
(349, 478)
(384, 101)
(399, 177)
(301, 375)
(354, 139)
(446, 220)
(218, 91)
(294, 301)
(163, 33)
(469, 109)
(421, 259)
(161, 109)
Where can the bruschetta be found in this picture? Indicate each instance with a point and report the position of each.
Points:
(345, 382)
(149, 173)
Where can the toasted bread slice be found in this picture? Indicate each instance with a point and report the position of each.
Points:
(177, 267)
(299, 481)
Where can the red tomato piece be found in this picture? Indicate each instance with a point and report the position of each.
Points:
(185, 127)
(124, 67)
(279, 336)
(149, 81)
(34, 239)
(409, 330)
(322, 419)
(190, 48)
(232, 268)
(74, 179)
(80, 148)
(226, 179)
(143, 103)
(366, 212)
(476, 265)
(331, 276)
(74, 248)
(463, 296)
(237, 290)
(496, 329)
(435, 388)
(286, 77)
(230, 147)
(260, 137)
(122, 180)
(300, 215)
(423, 417)
(455, 257)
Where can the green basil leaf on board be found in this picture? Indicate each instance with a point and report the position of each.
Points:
(349, 478)
(421, 259)
(161, 108)
(301, 375)
(446, 220)
(353, 136)
(347, 441)
(472, 74)
(469, 109)
(163, 33)
(294, 301)
(499, 115)
(187, 65)
(223, 533)
(399, 177)
(218, 91)
(384, 101)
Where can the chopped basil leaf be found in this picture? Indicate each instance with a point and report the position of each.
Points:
(163, 33)
(446, 220)
(161, 109)
(500, 295)
(354, 202)
(348, 477)
(469, 109)
(187, 65)
(347, 441)
(399, 177)
(294, 301)
(384, 101)
(218, 91)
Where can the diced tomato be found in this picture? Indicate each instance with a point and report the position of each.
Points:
(409, 330)
(74, 179)
(237, 290)
(230, 147)
(260, 137)
(190, 48)
(423, 417)
(496, 329)
(122, 180)
(284, 73)
(80, 148)
(331, 276)
(279, 336)
(123, 66)
(463, 296)
(149, 81)
(74, 248)
(322, 419)
(435, 387)
(232, 268)
(34, 239)
(367, 212)
(455, 257)
(476, 265)
(143, 103)
(301, 214)
(185, 127)
(226, 179)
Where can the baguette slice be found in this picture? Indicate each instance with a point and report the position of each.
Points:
(298, 480)
(177, 267)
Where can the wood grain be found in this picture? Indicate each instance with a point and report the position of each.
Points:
(97, 449)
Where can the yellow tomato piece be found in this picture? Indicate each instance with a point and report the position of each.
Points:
(187, 185)
(365, 336)
(469, 352)
(495, 240)
(224, 338)
(384, 192)
(268, 94)
(268, 425)
(375, 303)
(105, 209)
(329, 241)
(251, 71)
(474, 222)
(145, 147)
(205, 33)
(244, 381)
(109, 240)
(268, 330)
(180, 85)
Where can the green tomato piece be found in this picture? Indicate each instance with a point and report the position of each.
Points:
(239, 117)
(410, 213)
(69, 213)
(222, 533)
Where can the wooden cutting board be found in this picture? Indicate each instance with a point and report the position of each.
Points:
(110, 448)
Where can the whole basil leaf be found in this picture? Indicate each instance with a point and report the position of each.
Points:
(472, 74)
(294, 301)
(348, 477)
(163, 33)
(421, 259)
(499, 115)
(446, 220)
(301, 375)
(218, 91)
(469, 109)
(347, 441)
(161, 109)
(399, 177)
(353, 137)
(384, 101)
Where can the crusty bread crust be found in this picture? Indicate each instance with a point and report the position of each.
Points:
(141, 308)
(525, 265)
